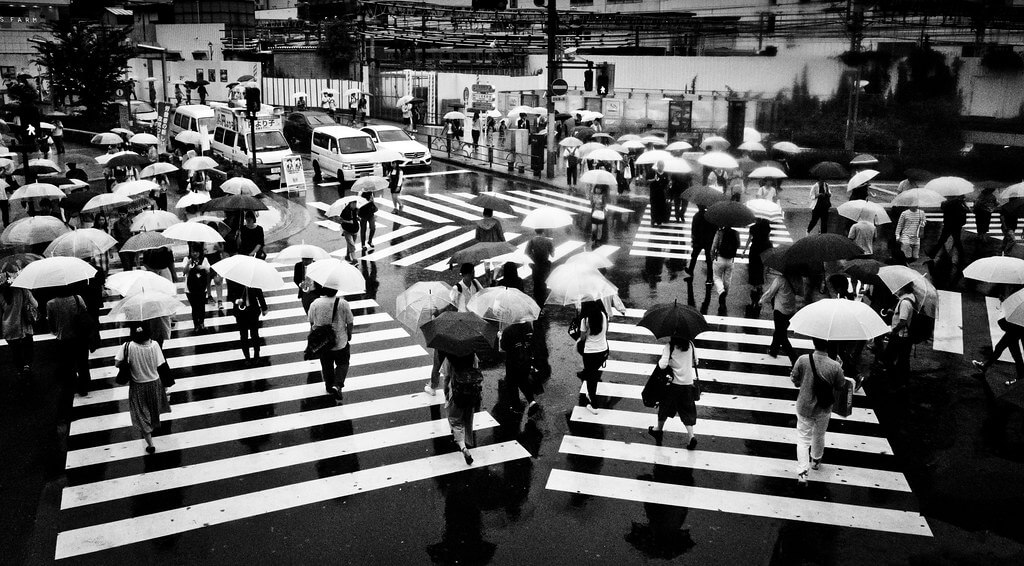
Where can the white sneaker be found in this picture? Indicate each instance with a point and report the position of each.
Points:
(429, 390)
(591, 408)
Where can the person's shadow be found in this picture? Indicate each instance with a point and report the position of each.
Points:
(663, 536)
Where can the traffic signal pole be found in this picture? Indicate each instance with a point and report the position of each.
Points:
(553, 74)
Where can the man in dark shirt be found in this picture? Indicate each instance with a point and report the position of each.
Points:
(75, 173)
(540, 250)
(703, 234)
(954, 217)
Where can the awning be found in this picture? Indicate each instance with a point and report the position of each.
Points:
(119, 11)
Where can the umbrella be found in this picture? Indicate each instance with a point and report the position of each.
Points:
(153, 220)
(16, 262)
(24, 171)
(730, 213)
(634, 144)
(922, 198)
(587, 148)
(677, 165)
(127, 283)
(249, 271)
(234, 202)
(919, 175)
(1013, 191)
(703, 196)
(514, 113)
(673, 319)
(751, 135)
(193, 199)
(865, 270)
(590, 260)
(53, 272)
(340, 204)
(504, 305)
(864, 159)
(246, 78)
(82, 243)
(598, 177)
(422, 302)
(950, 186)
(820, 248)
(459, 333)
(603, 135)
(299, 252)
(718, 160)
(481, 251)
(896, 277)
(59, 180)
(33, 230)
(103, 159)
(997, 269)
(240, 186)
(193, 232)
(628, 137)
(199, 163)
(369, 184)
(492, 202)
(828, 170)
(516, 257)
(583, 132)
(454, 115)
(838, 319)
(764, 208)
(652, 140)
(107, 138)
(767, 173)
(127, 159)
(546, 217)
(570, 285)
(145, 305)
(861, 178)
(72, 185)
(403, 101)
(45, 163)
(298, 95)
(37, 190)
(1012, 308)
(775, 258)
(864, 210)
(336, 274)
(604, 154)
(492, 113)
(146, 241)
(786, 147)
(123, 132)
(676, 146)
(570, 142)
(144, 139)
(189, 137)
(653, 156)
(751, 146)
(715, 143)
(132, 188)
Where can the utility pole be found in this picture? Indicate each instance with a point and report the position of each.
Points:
(552, 151)
(855, 26)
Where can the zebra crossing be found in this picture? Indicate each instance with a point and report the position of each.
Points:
(951, 312)
(673, 240)
(246, 440)
(745, 463)
(994, 228)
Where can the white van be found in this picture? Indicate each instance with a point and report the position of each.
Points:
(344, 153)
(189, 117)
(232, 139)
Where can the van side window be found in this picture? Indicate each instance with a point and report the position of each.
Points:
(218, 135)
(192, 125)
(229, 138)
(333, 147)
(177, 119)
(241, 143)
(320, 140)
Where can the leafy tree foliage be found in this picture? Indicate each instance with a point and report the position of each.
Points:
(339, 45)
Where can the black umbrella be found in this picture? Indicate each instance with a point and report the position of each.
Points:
(493, 203)
(820, 248)
(865, 270)
(234, 202)
(674, 319)
(481, 251)
(583, 132)
(919, 175)
(981, 185)
(127, 160)
(33, 170)
(730, 213)
(459, 333)
(76, 201)
(829, 170)
(562, 116)
(1014, 206)
(246, 78)
(703, 196)
(775, 258)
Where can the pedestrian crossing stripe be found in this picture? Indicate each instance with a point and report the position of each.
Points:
(457, 213)
(445, 245)
(410, 243)
(517, 209)
(948, 335)
(380, 214)
(463, 204)
(995, 227)
(583, 201)
(412, 211)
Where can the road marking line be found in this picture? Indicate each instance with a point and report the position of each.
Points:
(410, 243)
(674, 255)
(470, 196)
(582, 201)
(413, 211)
(949, 324)
(548, 201)
(438, 173)
(440, 208)
(702, 353)
(445, 264)
(473, 207)
(436, 249)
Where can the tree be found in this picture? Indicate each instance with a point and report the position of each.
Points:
(87, 62)
(339, 46)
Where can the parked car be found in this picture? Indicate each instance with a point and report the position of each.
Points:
(143, 112)
(299, 126)
(396, 139)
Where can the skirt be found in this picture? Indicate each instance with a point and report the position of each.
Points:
(678, 401)
(145, 403)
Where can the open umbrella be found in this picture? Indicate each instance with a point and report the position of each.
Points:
(240, 186)
(153, 220)
(628, 137)
(339, 205)
(828, 170)
(1013, 191)
(677, 165)
(53, 272)
(820, 248)
(16, 262)
(605, 154)
(703, 196)
(127, 283)
(715, 143)
(103, 159)
(864, 159)
(485, 200)
(504, 305)
(146, 241)
(568, 284)
(919, 175)
(922, 198)
(630, 145)
(189, 137)
(896, 277)
(127, 159)
(676, 146)
(459, 333)
(94, 201)
(144, 139)
(33, 230)
(653, 140)
(249, 271)
(402, 101)
(950, 186)
(653, 156)
(145, 305)
(598, 177)
(730, 213)
(234, 202)
(586, 149)
(199, 163)
(137, 187)
(513, 114)
(82, 243)
(865, 270)
(718, 160)
(193, 232)
(590, 260)
(860, 178)
(752, 146)
(864, 210)
(838, 320)
(775, 258)
(37, 190)
(299, 94)
(786, 147)
(583, 132)
(997, 269)
(45, 163)
(422, 302)
(107, 138)
(570, 142)
(454, 115)
(1013, 308)
(546, 218)
(369, 184)
(764, 208)
(673, 319)
(338, 275)
(767, 173)
(193, 199)
(481, 251)
(26, 170)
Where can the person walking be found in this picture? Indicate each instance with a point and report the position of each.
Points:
(984, 206)
(821, 202)
(703, 235)
(680, 358)
(817, 376)
(489, 228)
(395, 180)
(75, 173)
(510, 277)
(474, 129)
(18, 311)
(781, 297)
(572, 163)
(723, 254)
(463, 391)
(306, 286)
(201, 91)
(909, 229)
(593, 348)
(197, 280)
(250, 238)
(896, 356)
(367, 221)
(758, 241)
(540, 250)
(5, 203)
(177, 95)
(62, 314)
(659, 192)
(57, 135)
(517, 342)
(679, 185)
(1011, 339)
(349, 228)
(147, 397)
(465, 289)
(862, 232)
(331, 310)
(249, 303)
(598, 215)
(954, 218)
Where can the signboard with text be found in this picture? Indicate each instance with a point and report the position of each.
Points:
(482, 97)
(293, 176)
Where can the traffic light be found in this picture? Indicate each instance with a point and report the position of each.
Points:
(588, 77)
(602, 80)
(252, 100)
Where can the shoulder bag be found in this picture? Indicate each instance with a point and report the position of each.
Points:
(124, 371)
(321, 337)
(86, 328)
(696, 381)
(824, 395)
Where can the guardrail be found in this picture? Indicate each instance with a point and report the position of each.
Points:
(484, 154)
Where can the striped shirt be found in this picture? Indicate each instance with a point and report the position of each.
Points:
(910, 226)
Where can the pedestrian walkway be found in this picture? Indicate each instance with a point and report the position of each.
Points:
(745, 462)
(953, 308)
(244, 441)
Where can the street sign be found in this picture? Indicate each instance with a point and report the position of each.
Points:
(293, 177)
(482, 97)
(559, 87)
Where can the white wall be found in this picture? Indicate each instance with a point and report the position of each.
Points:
(186, 38)
(180, 71)
(990, 94)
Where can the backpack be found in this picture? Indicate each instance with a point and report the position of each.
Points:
(921, 327)
(467, 387)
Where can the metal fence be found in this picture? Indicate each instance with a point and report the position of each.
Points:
(491, 156)
(278, 91)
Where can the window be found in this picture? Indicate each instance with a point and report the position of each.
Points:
(192, 125)
(241, 144)
(8, 72)
(361, 144)
(581, 2)
(393, 135)
(229, 138)
(320, 140)
(218, 135)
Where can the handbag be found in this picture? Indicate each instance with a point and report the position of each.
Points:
(321, 338)
(656, 387)
(574, 329)
(166, 378)
(124, 371)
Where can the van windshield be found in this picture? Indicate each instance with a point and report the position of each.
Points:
(361, 144)
(270, 141)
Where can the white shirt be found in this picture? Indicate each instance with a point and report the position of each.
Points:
(461, 294)
(595, 342)
(681, 363)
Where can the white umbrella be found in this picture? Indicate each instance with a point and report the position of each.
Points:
(860, 178)
(82, 243)
(153, 220)
(677, 165)
(837, 320)
(997, 269)
(199, 163)
(44, 163)
(240, 186)
(503, 305)
(751, 146)
(159, 168)
(422, 302)
(403, 101)
(298, 95)
(454, 115)
(514, 113)
(127, 283)
(103, 159)
(864, 210)
(589, 147)
(678, 146)
(492, 113)
(604, 154)
(299, 252)
(598, 177)
(570, 141)
(72, 185)
(1013, 191)
(718, 160)
(634, 144)
(189, 137)
(786, 147)
(715, 143)
(571, 285)
(336, 274)
(329, 91)
(138, 187)
(950, 186)
(864, 159)
(53, 272)
(923, 198)
(653, 140)
(628, 137)
(106, 201)
(546, 218)
(369, 184)
(653, 156)
(37, 190)
(249, 272)
(144, 139)
(1011, 307)
(107, 138)
(618, 147)
(193, 199)
(590, 260)
(193, 232)
(145, 305)
(751, 135)
(33, 230)
(764, 208)
(767, 173)
(340, 204)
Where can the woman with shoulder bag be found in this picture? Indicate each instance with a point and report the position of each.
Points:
(680, 358)
(349, 228)
(147, 396)
(593, 348)
(395, 180)
(367, 221)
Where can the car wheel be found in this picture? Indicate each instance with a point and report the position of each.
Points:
(317, 176)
